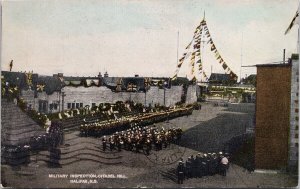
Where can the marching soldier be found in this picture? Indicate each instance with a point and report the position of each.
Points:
(214, 164)
(205, 165)
(198, 165)
(193, 166)
(180, 172)
(188, 165)
(104, 143)
(111, 143)
(224, 165)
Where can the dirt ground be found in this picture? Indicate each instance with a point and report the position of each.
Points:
(206, 130)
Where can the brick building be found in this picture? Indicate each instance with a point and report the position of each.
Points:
(276, 135)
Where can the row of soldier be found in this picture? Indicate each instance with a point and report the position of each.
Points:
(107, 127)
(100, 128)
(143, 139)
(203, 165)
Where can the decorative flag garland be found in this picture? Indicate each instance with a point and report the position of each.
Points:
(195, 43)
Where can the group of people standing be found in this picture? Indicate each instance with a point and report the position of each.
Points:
(99, 128)
(143, 139)
(202, 165)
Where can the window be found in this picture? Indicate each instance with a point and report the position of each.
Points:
(69, 105)
(77, 105)
(55, 106)
(51, 106)
(73, 105)
(81, 105)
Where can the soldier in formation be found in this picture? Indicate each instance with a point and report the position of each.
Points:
(180, 172)
(107, 127)
(206, 165)
(143, 139)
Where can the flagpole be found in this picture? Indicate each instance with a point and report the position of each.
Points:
(177, 46)
(298, 44)
(241, 58)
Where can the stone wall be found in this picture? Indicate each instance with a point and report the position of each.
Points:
(191, 95)
(97, 95)
(28, 97)
(272, 116)
(294, 117)
(83, 96)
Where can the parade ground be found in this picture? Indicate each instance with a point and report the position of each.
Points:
(206, 130)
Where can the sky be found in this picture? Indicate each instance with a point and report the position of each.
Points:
(128, 37)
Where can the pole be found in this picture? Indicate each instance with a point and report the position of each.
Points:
(63, 100)
(145, 97)
(241, 58)
(298, 44)
(59, 101)
(283, 56)
(164, 96)
(177, 47)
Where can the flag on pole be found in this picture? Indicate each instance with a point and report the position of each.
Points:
(294, 21)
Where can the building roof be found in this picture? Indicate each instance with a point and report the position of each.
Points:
(273, 65)
(15, 78)
(58, 81)
(52, 84)
(219, 77)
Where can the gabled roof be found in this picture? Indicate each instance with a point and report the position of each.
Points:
(52, 84)
(11, 77)
(219, 77)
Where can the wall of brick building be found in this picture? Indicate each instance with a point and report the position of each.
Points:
(272, 116)
(294, 117)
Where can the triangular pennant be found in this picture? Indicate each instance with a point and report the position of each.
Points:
(210, 41)
(200, 67)
(192, 72)
(196, 46)
(181, 59)
(221, 60)
(217, 54)
(180, 63)
(174, 77)
(213, 47)
(224, 66)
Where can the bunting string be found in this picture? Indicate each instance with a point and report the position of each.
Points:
(195, 53)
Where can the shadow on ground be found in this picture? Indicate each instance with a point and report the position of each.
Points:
(226, 132)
